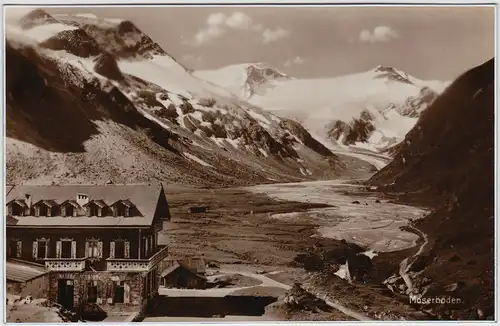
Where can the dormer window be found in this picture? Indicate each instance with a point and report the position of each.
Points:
(123, 208)
(46, 207)
(17, 207)
(70, 208)
(97, 208)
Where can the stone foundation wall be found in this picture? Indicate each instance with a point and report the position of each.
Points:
(134, 294)
(37, 288)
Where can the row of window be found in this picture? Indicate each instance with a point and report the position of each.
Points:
(66, 248)
(70, 211)
(121, 290)
(119, 293)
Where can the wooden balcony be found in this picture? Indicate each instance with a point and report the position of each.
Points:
(136, 265)
(65, 264)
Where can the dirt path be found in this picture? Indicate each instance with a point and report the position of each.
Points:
(266, 281)
(217, 292)
(404, 266)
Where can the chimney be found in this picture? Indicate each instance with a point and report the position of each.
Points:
(27, 200)
(82, 199)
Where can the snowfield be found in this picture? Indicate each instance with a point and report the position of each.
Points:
(43, 32)
(170, 75)
(316, 103)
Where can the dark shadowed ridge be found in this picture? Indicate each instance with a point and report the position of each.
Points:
(122, 40)
(52, 106)
(75, 41)
(449, 156)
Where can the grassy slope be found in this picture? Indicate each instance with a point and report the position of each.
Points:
(448, 157)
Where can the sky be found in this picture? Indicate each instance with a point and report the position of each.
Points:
(318, 42)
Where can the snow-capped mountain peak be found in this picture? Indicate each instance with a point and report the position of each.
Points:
(246, 79)
(125, 93)
(392, 74)
(334, 109)
(35, 18)
(264, 71)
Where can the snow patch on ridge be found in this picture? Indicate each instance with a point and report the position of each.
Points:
(43, 32)
(196, 159)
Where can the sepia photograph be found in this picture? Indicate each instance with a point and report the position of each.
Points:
(249, 163)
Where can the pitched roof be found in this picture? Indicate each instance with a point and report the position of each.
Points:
(196, 264)
(21, 271)
(20, 202)
(170, 269)
(143, 196)
(127, 203)
(11, 220)
(174, 267)
(72, 202)
(48, 202)
(98, 202)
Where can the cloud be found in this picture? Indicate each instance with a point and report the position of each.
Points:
(271, 35)
(216, 19)
(379, 34)
(208, 34)
(295, 61)
(218, 24)
(239, 20)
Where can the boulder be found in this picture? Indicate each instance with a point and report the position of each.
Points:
(299, 299)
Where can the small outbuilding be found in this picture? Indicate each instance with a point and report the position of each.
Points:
(26, 278)
(185, 274)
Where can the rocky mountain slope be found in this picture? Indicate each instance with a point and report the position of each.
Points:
(449, 157)
(373, 109)
(96, 99)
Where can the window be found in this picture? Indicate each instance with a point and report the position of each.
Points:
(15, 248)
(42, 210)
(66, 249)
(120, 249)
(93, 250)
(119, 292)
(43, 249)
(17, 210)
(91, 210)
(68, 210)
(146, 247)
(120, 209)
(92, 292)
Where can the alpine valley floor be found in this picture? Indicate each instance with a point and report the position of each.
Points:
(263, 228)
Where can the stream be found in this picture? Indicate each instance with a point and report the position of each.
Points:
(373, 223)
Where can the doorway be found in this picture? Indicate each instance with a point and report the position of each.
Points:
(119, 292)
(65, 249)
(66, 293)
(182, 281)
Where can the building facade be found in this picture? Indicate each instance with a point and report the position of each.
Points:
(100, 243)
